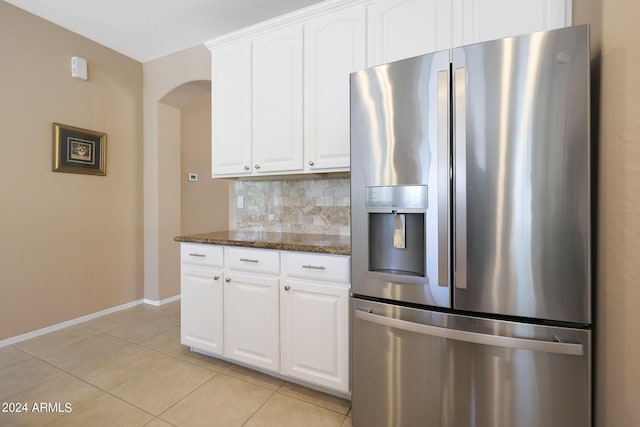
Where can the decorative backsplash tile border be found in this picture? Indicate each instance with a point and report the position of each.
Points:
(319, 206)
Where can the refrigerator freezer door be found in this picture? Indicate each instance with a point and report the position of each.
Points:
(400, 139)
(419, 368)
(521, 176)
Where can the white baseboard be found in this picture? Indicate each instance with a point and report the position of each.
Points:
(58, 326)
(158, 303)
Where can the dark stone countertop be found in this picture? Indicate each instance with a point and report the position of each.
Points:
(298, 242)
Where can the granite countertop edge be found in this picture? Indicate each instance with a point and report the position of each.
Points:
(295, 242)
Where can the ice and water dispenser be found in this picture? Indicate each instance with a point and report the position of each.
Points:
(397, 229)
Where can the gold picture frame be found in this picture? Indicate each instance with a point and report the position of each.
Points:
(79, 150)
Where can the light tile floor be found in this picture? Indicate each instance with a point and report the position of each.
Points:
(129, 369)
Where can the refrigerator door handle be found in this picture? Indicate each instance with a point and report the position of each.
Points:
(473, 337)
(444, 176)
(460, 189)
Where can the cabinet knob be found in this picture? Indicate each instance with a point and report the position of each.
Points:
(246, 167)
(257, 166)
(311, 163)
(287, 287)
(216, 277)
(228, 279)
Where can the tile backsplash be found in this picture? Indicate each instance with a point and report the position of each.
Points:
(319, 206)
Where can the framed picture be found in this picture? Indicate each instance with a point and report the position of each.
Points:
(79, 150)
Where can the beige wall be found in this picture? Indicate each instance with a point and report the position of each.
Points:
(616, 80)
(170, 83)
(204, 203)
(617, 377)
(70, 244)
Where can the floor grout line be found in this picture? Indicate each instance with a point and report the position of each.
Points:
(105, 392)
(54, 378)
(184, 397)
(260, 407)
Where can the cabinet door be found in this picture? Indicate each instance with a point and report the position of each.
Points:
(400, 29)
(483, 20)
(251, 320)
(231, 110)
(277, 101)
(315, 333)
(201, 308)
(334, 46)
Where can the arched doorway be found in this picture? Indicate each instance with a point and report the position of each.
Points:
(184, 146)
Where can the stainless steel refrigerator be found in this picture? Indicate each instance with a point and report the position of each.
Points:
(471, 236)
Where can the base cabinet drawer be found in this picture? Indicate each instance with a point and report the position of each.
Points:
(201, 254)
(258, 261)
(317, 267)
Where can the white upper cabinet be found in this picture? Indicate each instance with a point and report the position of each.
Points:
(482, 20)
(334, 47)
(288, 92)
(231, 109)
(400, 29)
(256, 105)
(280, 89)
(277, 101)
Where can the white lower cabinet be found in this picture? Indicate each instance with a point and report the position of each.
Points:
(314, 328)
(201, 279)
(251, 313)
(314, 318)
(279, 311)
(201, 314)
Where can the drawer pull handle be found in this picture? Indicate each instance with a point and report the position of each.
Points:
(216, 277)
(228, 279)
(255, 261)
(198, 255)
(314, 267)
(287, 287)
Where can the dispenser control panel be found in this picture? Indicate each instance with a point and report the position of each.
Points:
(398, 197)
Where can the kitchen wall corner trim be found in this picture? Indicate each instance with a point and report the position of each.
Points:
(158, 303)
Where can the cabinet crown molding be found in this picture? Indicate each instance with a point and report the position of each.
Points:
(296, 17)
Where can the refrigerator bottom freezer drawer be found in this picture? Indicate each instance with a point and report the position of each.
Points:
(420, 368)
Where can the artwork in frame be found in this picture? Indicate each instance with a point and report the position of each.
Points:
(79, 150)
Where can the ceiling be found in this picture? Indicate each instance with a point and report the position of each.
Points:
(148, 29)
